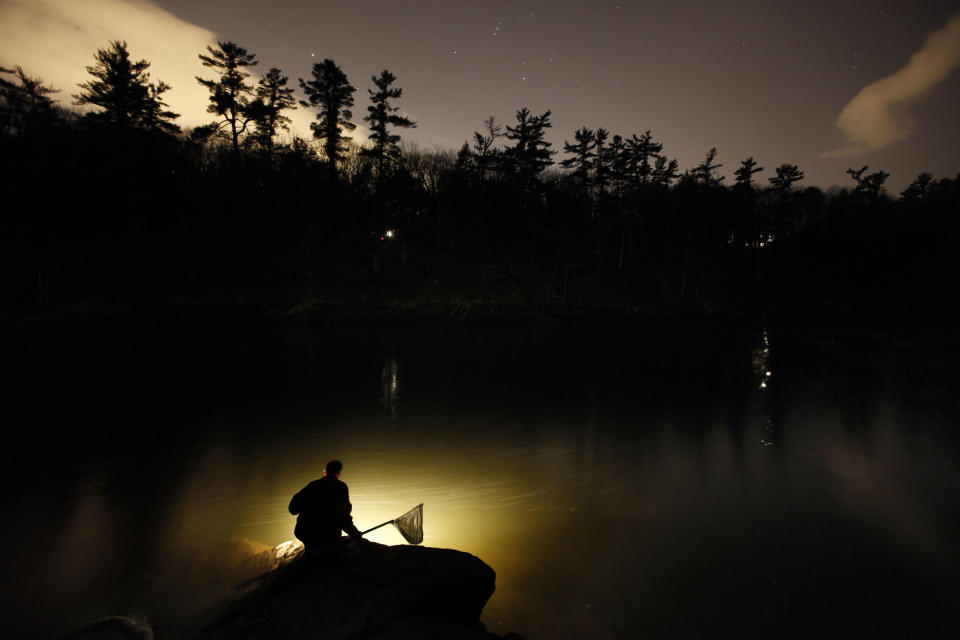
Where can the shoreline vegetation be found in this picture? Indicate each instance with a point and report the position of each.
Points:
(117, 214)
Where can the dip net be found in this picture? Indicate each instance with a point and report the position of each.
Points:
(410, 525)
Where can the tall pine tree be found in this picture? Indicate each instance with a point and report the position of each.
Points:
(787, 174)
(584, 155)
(382, 115)
(643, 150)
(123, 90)
(230, 93)
(705, 172)
(530, 153)
(484, 153)
(745, 173)
(332, 95)
(273, 98)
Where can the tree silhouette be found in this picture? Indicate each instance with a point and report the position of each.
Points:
(465, 156)
(122, 88)
(873, 183)
(870, 185)
(704, 173)
(382, 115)
(230, 94)
(26, 103)
(919, 190)
(618, 159)
(642, 150)
(530, 153)
(646, 239)
(857, 174)
(746, 222)
(745, 173)
(665, 172)
(602, 163)
(483, 151)
(787, 174)
(273, 98)
(330, 92)
(584, 155)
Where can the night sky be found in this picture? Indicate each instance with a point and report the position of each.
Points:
(825, 85)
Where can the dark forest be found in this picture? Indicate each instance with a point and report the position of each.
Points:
(118, 210)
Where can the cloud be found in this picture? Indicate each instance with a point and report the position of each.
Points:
(881, 113)
(56, 40)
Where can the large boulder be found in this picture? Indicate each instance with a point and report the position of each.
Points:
(363, 590)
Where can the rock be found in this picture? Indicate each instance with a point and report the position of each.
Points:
(363, 591)
(111, 628)
(285, 552)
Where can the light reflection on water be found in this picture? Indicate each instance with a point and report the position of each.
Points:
(390, 382)
(612, 497)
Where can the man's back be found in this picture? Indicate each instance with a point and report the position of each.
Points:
(323, 510)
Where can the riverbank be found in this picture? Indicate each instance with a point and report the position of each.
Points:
(272, 311)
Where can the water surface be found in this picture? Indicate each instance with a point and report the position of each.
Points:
(623, 482)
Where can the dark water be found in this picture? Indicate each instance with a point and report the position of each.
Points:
(661, 482)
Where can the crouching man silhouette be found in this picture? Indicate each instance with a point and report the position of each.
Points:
(323, 511)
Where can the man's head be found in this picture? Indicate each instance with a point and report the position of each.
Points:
(334, 467)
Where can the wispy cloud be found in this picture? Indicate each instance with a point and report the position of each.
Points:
(56, 40)
(881, 113)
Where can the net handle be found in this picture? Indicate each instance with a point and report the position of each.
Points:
(363, 533)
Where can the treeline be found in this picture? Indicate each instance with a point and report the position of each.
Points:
(120, 205)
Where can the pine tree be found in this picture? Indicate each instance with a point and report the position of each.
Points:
(584, 155)
(122, 89)
(873, 183)
(665, 172)
(857, 175)
(787, 174)
(25, 104)
(465, 158)
(381, 116)
(230, 94)
(642, 150)
(330, 92)
(745, 173)
(704, 173)
(155, 113)
(919, 190)
(485, 155)
(273, 98)
(530, 154)
(619, 163)
(870, 185)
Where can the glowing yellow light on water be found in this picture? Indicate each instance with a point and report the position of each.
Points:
(464, 502)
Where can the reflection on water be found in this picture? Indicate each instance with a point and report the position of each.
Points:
(762, 374)
(616, 490)
(761, 360)
(390, 387)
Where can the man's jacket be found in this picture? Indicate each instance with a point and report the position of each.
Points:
(323, 510)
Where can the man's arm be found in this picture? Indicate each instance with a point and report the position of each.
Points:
(296, 503)
(346, 520)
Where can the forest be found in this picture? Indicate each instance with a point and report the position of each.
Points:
(115, 208)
